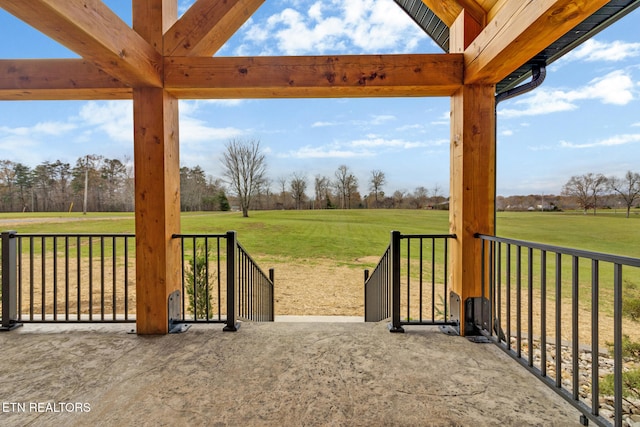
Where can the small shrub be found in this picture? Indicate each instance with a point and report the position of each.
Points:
(631, 378)
(198, 284)
(630, 349)
(630, 384)
(629, 285)
(631, 308)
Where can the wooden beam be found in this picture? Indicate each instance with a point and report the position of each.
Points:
(473, 172)
(157, 200)
(519, 31)
(207, 25)
(448, 10)
(96, 33)
(475, 10)
(153, 30)
(157, 185)
(46, 79)
(314, 76)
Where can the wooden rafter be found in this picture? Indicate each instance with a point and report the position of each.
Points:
(244, 77)
(314, 76)
(95, 32)
(47, 79)
(448, 11)
(519, 31)
(206, 26)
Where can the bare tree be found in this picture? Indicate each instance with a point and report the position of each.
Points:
(628, 188)
(321, 188)
(341, 184)
(585, 189)
(245, 167)
(282, 186)
(376, 182)
(352, 189)
(398, 198)
(298, 187)
(346, 185)
(420, 196)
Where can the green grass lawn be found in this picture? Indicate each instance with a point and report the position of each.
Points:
(344, 235)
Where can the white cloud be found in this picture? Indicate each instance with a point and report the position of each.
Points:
(325, 152)
(593, 50)
(378, 120)
(42, 128)
(416, 127)
(195, 130)
(115, 118)
(614, 88)
(323, 124)
(612, 141)
(507, 132)
(333, 26)
(444, 119)
(373, 141)
(388, 143)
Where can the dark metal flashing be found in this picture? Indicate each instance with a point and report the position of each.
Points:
(607, 15)
(428, 21)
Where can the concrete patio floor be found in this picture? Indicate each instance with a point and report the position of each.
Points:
(277, 374)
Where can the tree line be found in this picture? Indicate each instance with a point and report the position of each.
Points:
(95, 184)
(245, 171)
(99, 184)
(594, 190)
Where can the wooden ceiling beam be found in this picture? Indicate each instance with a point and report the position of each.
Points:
(95, 32)
(518, 32)
(47, 79)
(207, 25)
(314, 76)
(448, 10)
(474, 10)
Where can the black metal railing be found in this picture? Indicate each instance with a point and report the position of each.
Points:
(410, 283)
(556, 310)
(91, 278)
(204, 277)
(67, 278)
(255, 289)
(222, 283)
(377, 289)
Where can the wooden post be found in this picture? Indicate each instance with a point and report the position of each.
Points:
(473, 173)
(157, 182)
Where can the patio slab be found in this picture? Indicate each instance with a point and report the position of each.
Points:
(277, 374)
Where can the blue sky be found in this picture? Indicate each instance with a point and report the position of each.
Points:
(584, 118)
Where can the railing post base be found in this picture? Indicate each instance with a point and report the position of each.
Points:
(175, 314)
(12, 325)
(395, 329)
(9, 282)
(233, 328)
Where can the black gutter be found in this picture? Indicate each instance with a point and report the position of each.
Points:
(538, 74)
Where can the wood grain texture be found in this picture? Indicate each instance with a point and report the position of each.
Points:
(207, 25)
(472, 176)
(157, 184)
(519, 31)
(314, 76)
(38, 79)
(96, 33)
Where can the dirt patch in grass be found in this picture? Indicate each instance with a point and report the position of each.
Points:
(318, 288)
